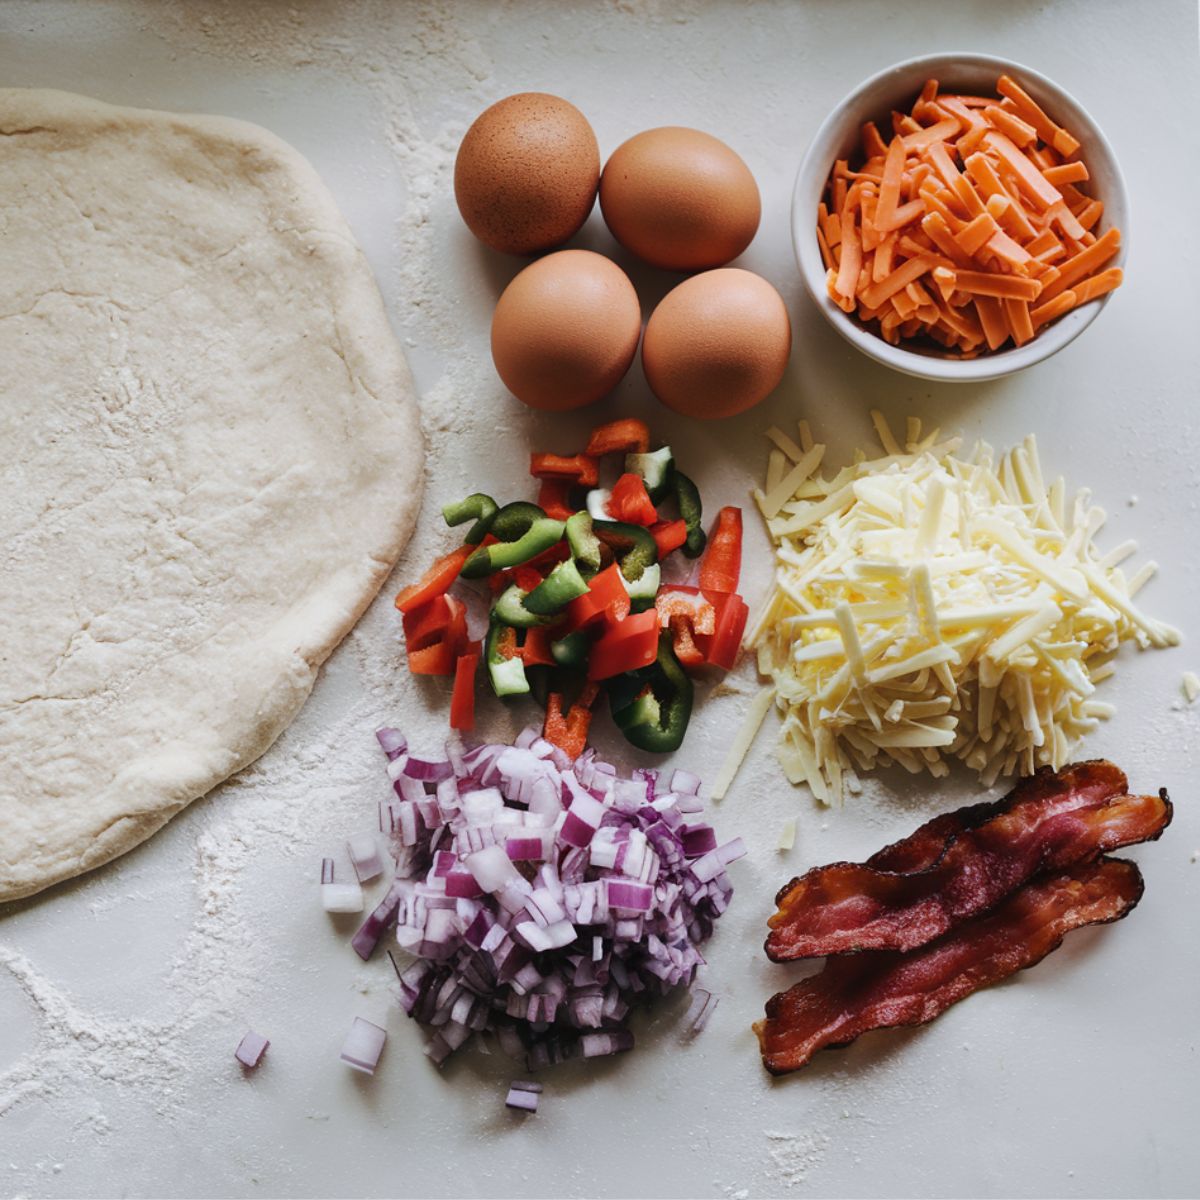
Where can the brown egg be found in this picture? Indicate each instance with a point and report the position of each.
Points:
(526, 173)
(565, 330)
(680, 199)
(717, 344)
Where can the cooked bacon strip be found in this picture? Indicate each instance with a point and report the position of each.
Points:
(1093, 781)
(848, 907)
(852, 996)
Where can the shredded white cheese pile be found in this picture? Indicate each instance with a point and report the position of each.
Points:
(928, 606)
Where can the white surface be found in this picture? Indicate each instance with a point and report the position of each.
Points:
(123, 997)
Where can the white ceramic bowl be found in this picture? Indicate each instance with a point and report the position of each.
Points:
(897, 87)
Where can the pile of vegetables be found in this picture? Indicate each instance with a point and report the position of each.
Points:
(577, 602)
(543, 898)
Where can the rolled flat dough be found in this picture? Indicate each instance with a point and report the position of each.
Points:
(210, 459)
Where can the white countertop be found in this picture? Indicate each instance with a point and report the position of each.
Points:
(122, 996)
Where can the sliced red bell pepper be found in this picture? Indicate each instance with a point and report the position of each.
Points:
(535, 652)
(627, 646)
(462, 700)
(684, 644)
(607, 600)
(435, 635)
(436, 659)
(669, 536)
(581, 469)
(722, 562)
(435, 581)
(628, 436)
(630, 502)
(721, 648)
(570, 732)
(554, 498)
(681, 600)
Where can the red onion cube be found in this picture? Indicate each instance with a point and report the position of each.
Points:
(342, 897)
(250, 1049)
(698, 839)
(327, 870)
(602, 853)
(732, 851)
(391, 741)
(628, 897)
(363, 1046)
(462, 885)
(492, 868)
(685, 782)
(525, 849)
(583, 819)
(364, 854)
(521, 1100)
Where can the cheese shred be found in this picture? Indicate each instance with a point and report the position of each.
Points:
(928, 607)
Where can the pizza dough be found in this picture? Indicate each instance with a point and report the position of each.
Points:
(211, 459)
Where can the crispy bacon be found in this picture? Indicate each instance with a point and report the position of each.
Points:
(1091, 781)
(1049, 826)
(854, 995)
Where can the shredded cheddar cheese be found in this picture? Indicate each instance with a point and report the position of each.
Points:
(929, 606)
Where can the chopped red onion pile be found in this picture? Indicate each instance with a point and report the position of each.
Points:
(363, 1046)
(542, 898)
(251, 1049)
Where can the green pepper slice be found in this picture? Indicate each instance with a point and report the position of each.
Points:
(654, 468)
(572, 650)
(524, 531)
(512, 608)
(506, 671)
(652, 706)
(687, 497)
(584, 544)
(557, 590)
(633, 545)
(480, 508)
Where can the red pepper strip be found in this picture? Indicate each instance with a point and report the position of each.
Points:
(554, 498)
(680, 600)
(425, 625)
(536, 650)
(569, 733)
(606, 600)
(435, 634)
(435, 581)
(669, 536)
(722, 562)
(861, 992)
(462, 700)
(437, 659)
(630, 502)
(722, 647)
(627, 646)
(581, 469)
(1097, 779)
(849, 906)
(682, 642)
(628, 435)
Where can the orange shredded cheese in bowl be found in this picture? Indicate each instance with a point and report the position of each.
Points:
(966, 226)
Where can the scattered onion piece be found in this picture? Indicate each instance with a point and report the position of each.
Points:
(523, 1095)
(363, 1046)
(250, 1049)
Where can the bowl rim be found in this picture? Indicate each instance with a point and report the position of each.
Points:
(812, 269)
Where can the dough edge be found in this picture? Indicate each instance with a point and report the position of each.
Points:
(136, 806)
